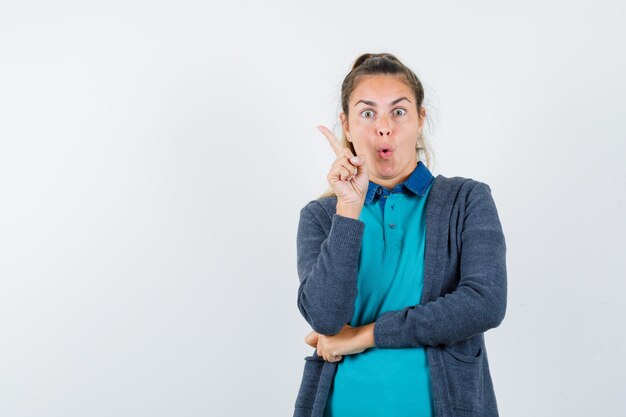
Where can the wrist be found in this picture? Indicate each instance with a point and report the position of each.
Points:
(347, 210)
(367, 336)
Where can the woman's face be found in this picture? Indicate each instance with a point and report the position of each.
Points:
(383, 125)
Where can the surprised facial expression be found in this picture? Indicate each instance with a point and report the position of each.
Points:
(383, 125)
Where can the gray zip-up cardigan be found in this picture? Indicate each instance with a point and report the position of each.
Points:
(464, 295)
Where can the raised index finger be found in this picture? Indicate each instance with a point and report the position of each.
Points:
(332, 139)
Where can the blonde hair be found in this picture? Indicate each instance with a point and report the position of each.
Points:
(384, 63)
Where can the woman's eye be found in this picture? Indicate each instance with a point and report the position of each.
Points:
(401, 112)
(366, 113)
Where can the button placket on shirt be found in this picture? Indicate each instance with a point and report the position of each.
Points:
(393, 231)
(390, 217)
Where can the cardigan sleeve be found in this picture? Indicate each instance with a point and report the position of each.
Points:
(479, 301)
(327, 268)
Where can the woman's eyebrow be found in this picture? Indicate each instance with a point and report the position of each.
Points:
(371, 103)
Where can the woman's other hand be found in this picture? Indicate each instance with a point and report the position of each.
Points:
(349, 341)
(348, 176)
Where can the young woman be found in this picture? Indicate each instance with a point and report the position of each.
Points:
(401, 272)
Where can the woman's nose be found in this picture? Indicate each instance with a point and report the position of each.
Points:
(383, 128)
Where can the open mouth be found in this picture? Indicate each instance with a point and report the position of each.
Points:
(385, 153)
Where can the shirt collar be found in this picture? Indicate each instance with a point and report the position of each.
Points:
(417, 183)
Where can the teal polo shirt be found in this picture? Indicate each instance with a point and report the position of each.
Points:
(388, 382)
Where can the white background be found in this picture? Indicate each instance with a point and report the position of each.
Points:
(154, 156)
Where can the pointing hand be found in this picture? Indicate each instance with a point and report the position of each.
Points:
(348, 176)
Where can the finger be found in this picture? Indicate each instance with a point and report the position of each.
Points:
(343, 172)
(334, 358)
(351, 170)
(311, 340)
(352, 167)
(332, 139)
(338, 172)
(357, 160)
(347, 153)
(360, 164)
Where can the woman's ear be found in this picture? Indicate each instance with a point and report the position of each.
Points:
(344, 124)
(422, 117)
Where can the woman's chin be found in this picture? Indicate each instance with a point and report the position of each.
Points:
(387, 171)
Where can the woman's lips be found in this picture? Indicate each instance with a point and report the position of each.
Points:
(385, 154)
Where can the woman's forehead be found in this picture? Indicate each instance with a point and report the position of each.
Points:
(381, 90)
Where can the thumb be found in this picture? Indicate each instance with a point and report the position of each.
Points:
(359, 162)
(311, 339)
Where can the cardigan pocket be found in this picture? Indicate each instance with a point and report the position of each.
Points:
(310, 382)
(464, 374)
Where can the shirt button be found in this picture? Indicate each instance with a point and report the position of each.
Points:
(379, 191)
(392, 226)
